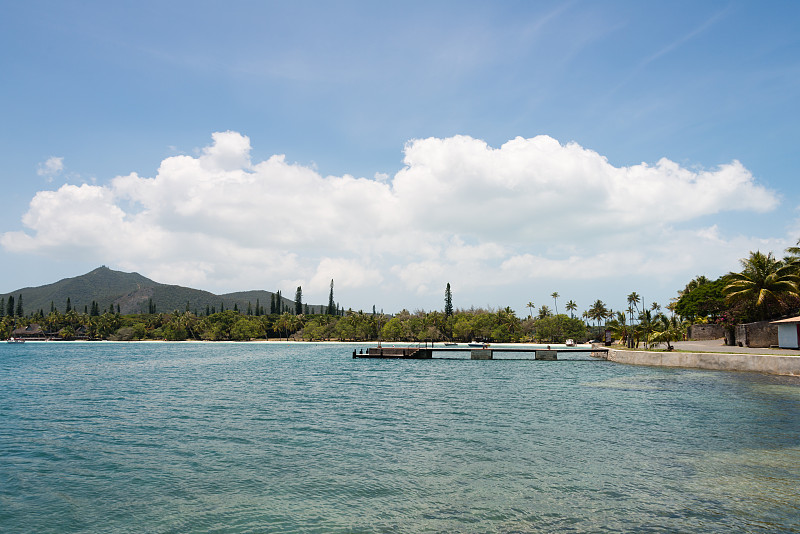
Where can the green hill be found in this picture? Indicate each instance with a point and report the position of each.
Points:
(132, 293)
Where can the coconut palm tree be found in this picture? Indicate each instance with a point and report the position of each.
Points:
(646, 326)
(792, 259)
(544, 311)
(555, 296)
(618, 326)
(530, 307)
(763, 282)
(571, 307)
(633, 300)
(598, 311)
(508, 321)
(668, 329)
(284, 323)
(794, 253)
(696, 282)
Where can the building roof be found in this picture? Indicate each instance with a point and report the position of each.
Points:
(32, 328)
(789, 320)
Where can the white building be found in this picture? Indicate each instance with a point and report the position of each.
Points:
(788, 333)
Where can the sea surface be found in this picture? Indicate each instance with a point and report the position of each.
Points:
(265, 437)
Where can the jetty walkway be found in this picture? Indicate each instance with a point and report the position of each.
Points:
(476, 353)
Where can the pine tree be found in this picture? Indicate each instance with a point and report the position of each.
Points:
(10, 306)
(117, 309)
(52, 306)
(20, 312)
(208, 310)
(2, 306)
(298, 301)
(249, 308)
(272, 303)
(448, 301)
(332, 308)
(236, 307)
(69, 306)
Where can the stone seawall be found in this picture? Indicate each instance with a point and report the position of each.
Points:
(758, 363)
(706, 331)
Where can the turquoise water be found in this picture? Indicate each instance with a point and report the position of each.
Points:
(302, 438)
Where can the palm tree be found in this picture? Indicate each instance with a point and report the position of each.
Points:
(668, 329)
(571, 307)
(296, 323)
(793, 254)
(646, 326)
(763, 282)
(530, 307)
(696, 282)
(555, 296)
(618, 326)
(633, 300)
(598, 311)
(630, 311)
(284, 323)
(792, 259)
(507, 319)
(544, 311)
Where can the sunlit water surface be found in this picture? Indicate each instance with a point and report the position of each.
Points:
(303, 438)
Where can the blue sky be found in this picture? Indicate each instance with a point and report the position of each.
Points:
(512, 149)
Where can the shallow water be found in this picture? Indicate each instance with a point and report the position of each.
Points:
(302, 438)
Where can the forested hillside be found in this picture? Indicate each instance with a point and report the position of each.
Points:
(134, 293)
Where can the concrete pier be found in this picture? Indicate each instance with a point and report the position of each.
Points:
(408, 353)
(480, 354)
(426, 353)
(547, 355)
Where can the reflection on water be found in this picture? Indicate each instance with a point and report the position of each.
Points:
(303, 438)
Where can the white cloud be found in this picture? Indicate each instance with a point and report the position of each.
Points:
(50, 168)
(459, 211)
(347, 273)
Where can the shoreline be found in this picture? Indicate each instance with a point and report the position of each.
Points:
(293, 342)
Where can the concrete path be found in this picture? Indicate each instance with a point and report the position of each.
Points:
(718, 345)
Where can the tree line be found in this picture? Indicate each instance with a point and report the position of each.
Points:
(766, 288)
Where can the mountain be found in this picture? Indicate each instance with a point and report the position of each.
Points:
(132, 293)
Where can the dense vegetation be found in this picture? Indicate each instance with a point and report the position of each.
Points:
(463, 325)
(132, 293)
(766, 288)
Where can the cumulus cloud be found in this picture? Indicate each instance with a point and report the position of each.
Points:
(50, 168)
(458, 210)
